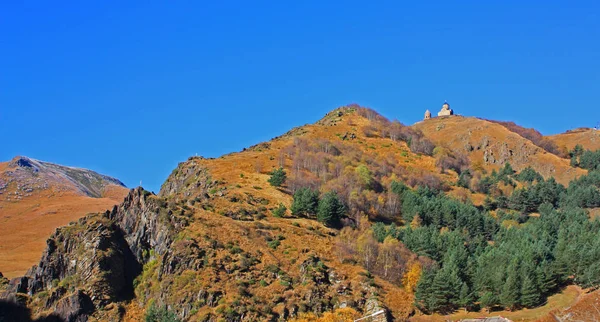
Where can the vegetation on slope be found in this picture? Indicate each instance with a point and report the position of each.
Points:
(351, 215)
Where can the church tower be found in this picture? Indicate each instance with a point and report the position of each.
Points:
(427, 115)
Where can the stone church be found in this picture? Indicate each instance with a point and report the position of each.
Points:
(445, 111)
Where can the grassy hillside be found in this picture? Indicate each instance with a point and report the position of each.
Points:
(588, 138)
(489, 145)
(37, 197)
(421, 221)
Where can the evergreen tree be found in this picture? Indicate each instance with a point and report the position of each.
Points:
(488, 300)
(379, 231)
(464, 180)
(530, 294)
(509, 297)
(305, 202)
(330, 209)
(444, 294)
(465, 298)
(278, 177)
(423, 291)
(507, 170)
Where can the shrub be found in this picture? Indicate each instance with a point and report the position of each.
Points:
(160, 314)
(274, 243)
(279, 211)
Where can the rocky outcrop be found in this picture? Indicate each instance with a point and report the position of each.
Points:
(75, 308)
(190, 178)
(93, 262)
(147, 223)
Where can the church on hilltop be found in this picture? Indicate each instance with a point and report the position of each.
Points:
(445, 111)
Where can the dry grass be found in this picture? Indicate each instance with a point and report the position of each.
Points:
(568, 297)
(587, 308)
(457, 133)
(588, 138)
(26, 224)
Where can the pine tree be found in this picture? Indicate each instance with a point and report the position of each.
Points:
(305, 202)
(424, 289)
(509, 297)
(465, 297)
(488, 300)
(530, 294)
(443, 293)
(278, 177)
(330, 209)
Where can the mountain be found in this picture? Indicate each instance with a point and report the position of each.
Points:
(36, 197)
(586, 137)
(352, 216)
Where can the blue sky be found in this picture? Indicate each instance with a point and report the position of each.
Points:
(130, 89)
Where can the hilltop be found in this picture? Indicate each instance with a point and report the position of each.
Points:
(36, 197)
(489, 145)
(419, 220)
(586, 137)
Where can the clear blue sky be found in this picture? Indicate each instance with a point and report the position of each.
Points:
(131, 88)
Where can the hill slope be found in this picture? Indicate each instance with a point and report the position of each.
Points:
(490, 145)
(220, 243)
(588, 138)
(36, 197)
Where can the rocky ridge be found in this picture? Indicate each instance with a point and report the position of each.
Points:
(26, 175)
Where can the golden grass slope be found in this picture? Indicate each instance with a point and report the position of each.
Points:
(26, 222)
(588, 138)
(490, 145)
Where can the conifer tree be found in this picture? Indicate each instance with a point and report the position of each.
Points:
(509, 297)
(530, 294)
(330, 209)
(278, 177)
(423, 299)
(488, 300)
(465, 297)
(305, 202)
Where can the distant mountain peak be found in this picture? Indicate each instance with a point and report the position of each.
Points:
(31, 174)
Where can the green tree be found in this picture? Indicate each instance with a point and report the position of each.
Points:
(365, 176)
(160, 314)
(509, 297)
(278, 177)
(331, 209)
(464, 180)
(488, 300)
(379, 231)
(507, 170)
(530, 294)
(305, 202)
(423, 290)
(465, 297)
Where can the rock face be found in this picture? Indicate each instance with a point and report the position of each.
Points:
(188, 179)
(93, 262)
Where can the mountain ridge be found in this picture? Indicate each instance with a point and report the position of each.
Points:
(211, 244)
